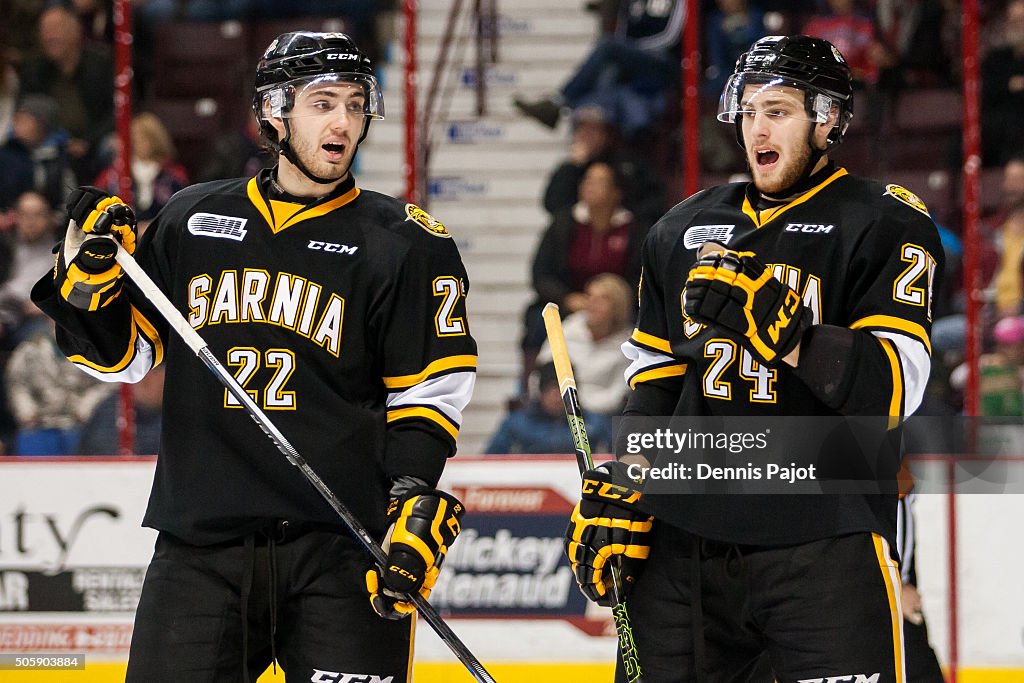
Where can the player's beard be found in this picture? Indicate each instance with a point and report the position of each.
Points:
(790, 169)
(309, 153)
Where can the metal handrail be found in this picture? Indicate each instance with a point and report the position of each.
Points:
(484, 24)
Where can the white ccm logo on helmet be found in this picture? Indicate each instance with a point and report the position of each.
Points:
(342, 55)
(848, 678)
(813, 228)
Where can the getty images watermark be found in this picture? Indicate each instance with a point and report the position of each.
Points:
(666, 440)
(821, 454)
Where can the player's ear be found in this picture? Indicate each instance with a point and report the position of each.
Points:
(275, 121)
(822, 130)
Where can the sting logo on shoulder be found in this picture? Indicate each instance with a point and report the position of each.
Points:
(810, 228)
(215, 225)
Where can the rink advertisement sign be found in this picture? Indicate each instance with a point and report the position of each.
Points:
(72, 553)
(509, 559)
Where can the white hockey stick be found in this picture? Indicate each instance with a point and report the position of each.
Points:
(178, 323)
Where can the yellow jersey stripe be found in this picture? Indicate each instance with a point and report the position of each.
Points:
(280, 215)
(149, 330)
(891, 578)
(412, 647)
(121, 364)
(435, 416)
(656, 373)
(439, 365)
(322, 209)
(896, 402)
(771, 214)
(651, 341)
(891, 322)
(252, 189)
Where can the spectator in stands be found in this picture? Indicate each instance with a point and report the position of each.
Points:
(50, 397)
(100, 435)
(728, 32)
(20, 19)
(853, 33)
(95, 16)
(9, 88)
(35, 157)
(80, 77)
(1002, 371)
(1002, 90)
(594, 137)
(596, 235)
(594, 336)
(1001, 380)
(238, 154)
(921, 35)
(1007, 281)
(31, 257)
(628, 71)
(540, 425)
(155, 173)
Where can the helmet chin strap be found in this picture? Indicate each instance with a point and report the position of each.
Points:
(288, 152)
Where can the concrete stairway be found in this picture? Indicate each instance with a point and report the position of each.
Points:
(487, 175)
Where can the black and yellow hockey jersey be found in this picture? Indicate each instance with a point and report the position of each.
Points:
(864, 256)
(345, 320)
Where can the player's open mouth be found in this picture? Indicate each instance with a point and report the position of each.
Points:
(766, 157)
(334, 150)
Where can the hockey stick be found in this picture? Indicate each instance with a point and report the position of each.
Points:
(584, 460)
(178, 323)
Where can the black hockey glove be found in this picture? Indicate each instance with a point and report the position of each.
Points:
(424, 524)
(86, 273)
(607, 524)
(738, 295)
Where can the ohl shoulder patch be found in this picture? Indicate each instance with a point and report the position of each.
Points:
(426, 221)
(907, 197)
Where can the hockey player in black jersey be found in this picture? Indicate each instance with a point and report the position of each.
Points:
(342, 311)
(806, 292)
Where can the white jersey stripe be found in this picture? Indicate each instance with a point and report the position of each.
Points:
(448, 394)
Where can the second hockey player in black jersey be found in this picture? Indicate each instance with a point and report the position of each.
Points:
(342, 312)
(806, 292)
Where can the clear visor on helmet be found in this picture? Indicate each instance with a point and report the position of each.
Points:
(776, 97)
(353, 94)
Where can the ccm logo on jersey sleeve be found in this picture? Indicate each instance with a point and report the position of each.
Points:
(697, 235)
(812, 228)
(215, 225)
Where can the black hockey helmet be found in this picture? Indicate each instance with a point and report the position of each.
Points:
(812, 65)
(296, 60)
